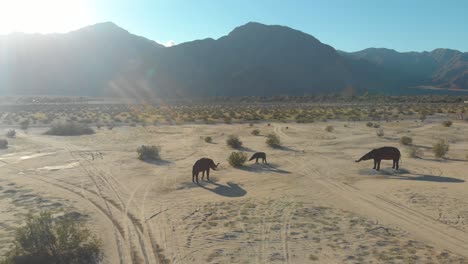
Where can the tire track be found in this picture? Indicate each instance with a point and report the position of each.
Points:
(446, 236)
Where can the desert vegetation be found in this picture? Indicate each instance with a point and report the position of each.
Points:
(305, 109)
(45, 239)
(11, 133)
(255, 132)
(237, 159)
(406, 140)
(440, 148)
(234, 142)
(3, 144)
(148, 153)
(69, 129)
(273, 141)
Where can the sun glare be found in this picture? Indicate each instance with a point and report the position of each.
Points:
(44, 16)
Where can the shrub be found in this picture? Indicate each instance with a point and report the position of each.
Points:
(255, 132)
(47, 240)
(208, 139)
(273, 141)
(369, 124)
(25, 124)
(376, 125)
(447, 123)
(237, 159)
(329, 128)
(148, 152)
(11, 133)
(380, 133)
(3, 144)
(414, 152)
(405, 140)
(440, 149)
(234, 142)
(69, 129)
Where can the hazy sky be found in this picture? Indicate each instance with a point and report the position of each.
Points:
(404, 25)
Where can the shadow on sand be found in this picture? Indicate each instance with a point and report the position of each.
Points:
(158, 162)
(403, 174)
(270, 167)
(229, 190)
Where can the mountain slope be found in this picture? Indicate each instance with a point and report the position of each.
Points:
(253, 59)
(81, 62)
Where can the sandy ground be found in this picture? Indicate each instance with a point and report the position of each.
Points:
(311, 204)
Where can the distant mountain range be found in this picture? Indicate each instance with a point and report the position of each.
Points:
(253, 59)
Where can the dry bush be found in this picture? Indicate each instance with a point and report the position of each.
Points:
(234, 142)
(414, 152)
(447, 123)
(69, 129)
(148, 152)
(47, 240)
(440, 148)
(405, 140)
(3, 144)
(255, 132)
(380, 133)
(11, 133)
(369, 124)
(273, 141)
(25, 124)
(208, 139)
(329, 128)
(237, 159)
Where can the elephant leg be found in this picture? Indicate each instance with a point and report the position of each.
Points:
(393, 166)
(203, 175)
(196, 176)
(397, 163)
(256, 160)
(378, 164)
(375, 164)
(208, 174)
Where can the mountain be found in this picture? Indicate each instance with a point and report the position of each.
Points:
(442, 68)
(81, 62)
(253, 59)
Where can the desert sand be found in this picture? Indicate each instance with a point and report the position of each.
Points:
(311, 204)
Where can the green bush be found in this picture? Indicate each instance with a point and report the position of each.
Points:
(447, 123)
(414, 152)
(3, 144)
(47, 240)
(234, 142)
(255, 132)
(208, 139)
(369, 124)
(273, 141)
(11, 133)
(148, 152)
(440, 149)
(329, 128)
(405, 140)
(237, 159)
(69, 129)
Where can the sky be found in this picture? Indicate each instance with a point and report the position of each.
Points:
(349, 25)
